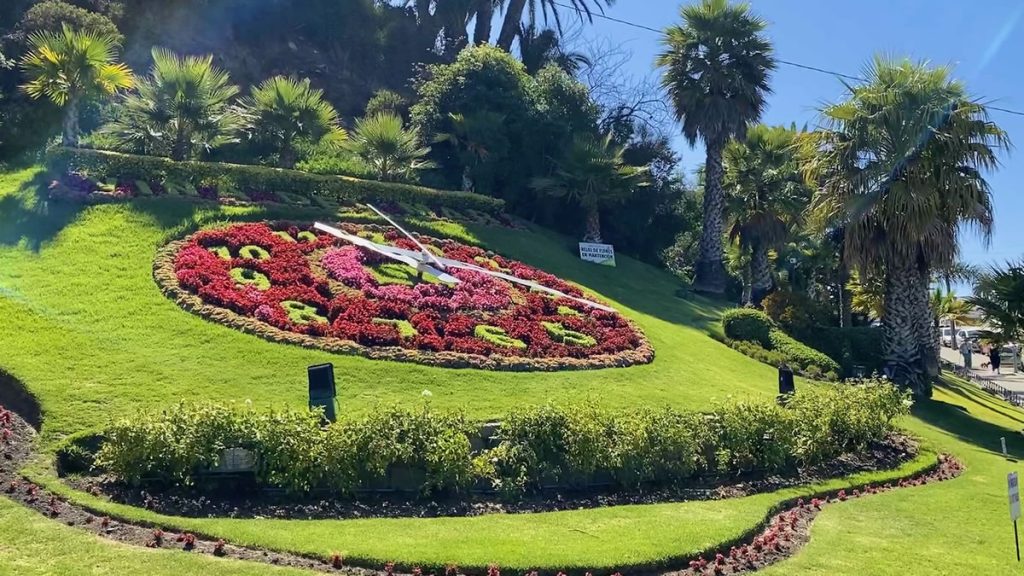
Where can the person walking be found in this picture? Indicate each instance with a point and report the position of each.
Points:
(966, 350)
(993, 358)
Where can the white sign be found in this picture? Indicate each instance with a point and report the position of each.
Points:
(603, 254)
(1014, 489)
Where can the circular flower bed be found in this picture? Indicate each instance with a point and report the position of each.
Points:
(293, 284)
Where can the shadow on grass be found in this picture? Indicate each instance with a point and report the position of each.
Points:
(29, 218)
(959, 422)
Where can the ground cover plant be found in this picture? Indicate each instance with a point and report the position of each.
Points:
(289, 284)
(756, 335)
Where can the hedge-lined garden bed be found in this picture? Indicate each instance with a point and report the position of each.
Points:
(572, 446)
(142, 174)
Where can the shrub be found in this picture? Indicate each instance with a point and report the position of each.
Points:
(795, 312)
(749, 325)
(765, 341)
(105, 165)
(574, 445)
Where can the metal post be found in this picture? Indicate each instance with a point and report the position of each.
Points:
(1015, 540)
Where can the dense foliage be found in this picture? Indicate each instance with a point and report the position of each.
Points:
(754, 326)
(566, 445)
(229, 178)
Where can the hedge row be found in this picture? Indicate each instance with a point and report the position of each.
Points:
(104, 165)
(749, 325)
(535, 447)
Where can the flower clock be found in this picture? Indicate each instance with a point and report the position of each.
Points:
(294, 284)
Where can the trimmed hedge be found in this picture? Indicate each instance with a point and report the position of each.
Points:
(748, 325)
(755, 327)
(104, 165)
(575, 445)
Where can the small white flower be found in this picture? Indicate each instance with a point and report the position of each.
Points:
(248, 403)
(427, 393)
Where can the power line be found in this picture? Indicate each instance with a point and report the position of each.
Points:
(779, 60)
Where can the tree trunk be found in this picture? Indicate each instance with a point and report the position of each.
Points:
(710, 276)
(928, 330)
(845, 303)
(901, 327)
(510, 25)
(179, 151)
(760, 274)
(952, 334)
(70, 133)
(484, 15)
(287, 157)
(593, 226)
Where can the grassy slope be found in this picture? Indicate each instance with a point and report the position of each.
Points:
(88, 331)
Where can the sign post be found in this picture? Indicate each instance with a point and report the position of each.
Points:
(1003, 442)
(603, 254)
(1013, 488)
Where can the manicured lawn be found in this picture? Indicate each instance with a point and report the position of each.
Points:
(85, 327)
(89, 332)
(32, 545)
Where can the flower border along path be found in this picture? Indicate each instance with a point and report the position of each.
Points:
(781, 536)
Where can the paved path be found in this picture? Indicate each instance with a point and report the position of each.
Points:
(1014, 382)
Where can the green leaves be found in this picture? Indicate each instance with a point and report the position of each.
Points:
(70, 64)
(391, 150)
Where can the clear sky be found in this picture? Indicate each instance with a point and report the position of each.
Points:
(982, 39)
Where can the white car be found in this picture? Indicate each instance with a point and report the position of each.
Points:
(947, 337)
(970, 335)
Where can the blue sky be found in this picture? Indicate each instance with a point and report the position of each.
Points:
(983, 40)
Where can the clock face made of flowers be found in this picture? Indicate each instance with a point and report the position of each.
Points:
(294, 284)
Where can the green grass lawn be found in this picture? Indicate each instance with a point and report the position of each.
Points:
(85, 327)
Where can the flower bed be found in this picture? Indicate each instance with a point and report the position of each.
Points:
(289, 284)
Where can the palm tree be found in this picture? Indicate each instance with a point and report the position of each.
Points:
(483, 11)
(946, 306)
(184, 106)
(867, 295)
(716, 67)
(387, 147)
(282, 110)
(900, 165)
(765, 196)
(537, 49)
(71, 67)
(516, 8)
(594, 175)
(999, 296)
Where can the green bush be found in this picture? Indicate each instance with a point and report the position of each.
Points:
(766, 342)
(573, 445)
(855, 346)
(795, 312)
(104, 165)
(749, 325)
(802, 354)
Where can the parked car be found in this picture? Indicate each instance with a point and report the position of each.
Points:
(971, 336)
(947, 337)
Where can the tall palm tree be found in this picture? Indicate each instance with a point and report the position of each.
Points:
(483, 11)
(282, 110)
(716, 67)
(900, 163)
(515, 9)
(765, 196)
(387, 147)
(71, 67)
(593, 174)
(183, 107)
(538, 48)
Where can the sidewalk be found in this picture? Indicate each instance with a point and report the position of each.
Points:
(1012, 382)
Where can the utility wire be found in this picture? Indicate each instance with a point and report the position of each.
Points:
(779, 60)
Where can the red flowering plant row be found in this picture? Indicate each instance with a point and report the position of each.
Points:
(278, 278)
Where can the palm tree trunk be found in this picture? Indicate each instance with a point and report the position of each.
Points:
(710, 274)
(901, 327)
(928, 330)
(760, 274)
(484, 15)
(179, 151)
(510, 25)
(593, 226)
(70, 133)
(845, 303)
(287, 157)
